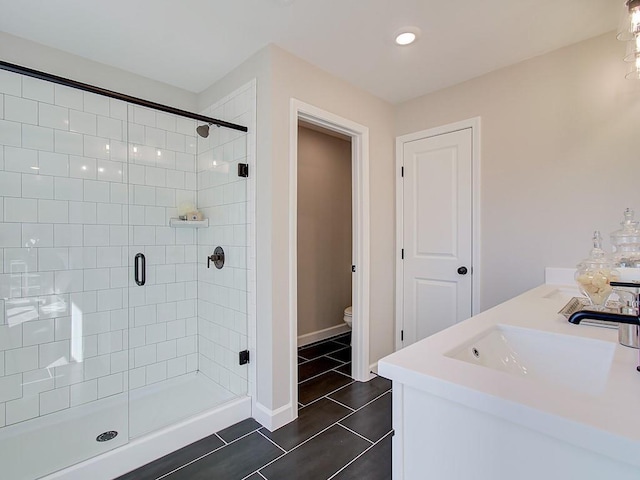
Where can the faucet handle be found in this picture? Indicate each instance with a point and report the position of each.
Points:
(628, 297)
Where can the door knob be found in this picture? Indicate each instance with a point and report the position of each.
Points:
(462, 270)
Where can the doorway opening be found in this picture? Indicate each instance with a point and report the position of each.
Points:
(309, 245)
(325, 257)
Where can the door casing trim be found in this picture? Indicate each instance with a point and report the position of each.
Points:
(474, 124)
(360, 203)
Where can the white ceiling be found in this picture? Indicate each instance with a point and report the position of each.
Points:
(193, 43)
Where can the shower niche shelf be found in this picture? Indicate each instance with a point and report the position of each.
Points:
(177, 223)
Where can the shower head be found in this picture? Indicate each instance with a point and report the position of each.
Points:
(203, 130)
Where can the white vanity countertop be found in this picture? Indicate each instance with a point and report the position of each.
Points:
(607, 422)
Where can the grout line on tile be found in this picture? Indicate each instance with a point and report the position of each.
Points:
(272, 441)
(299, 445)
(341, 404)
(348, 376)
(319, 342)
(205, 455)
(338, 371)
(316, 376)
(272, 461)
(328, 358)
(327, 394)
(357, 457)
(341, 346)
(336, 351)
(223, 440)
(256, 472)
(245, 435)
(356, 433)
(370, 402)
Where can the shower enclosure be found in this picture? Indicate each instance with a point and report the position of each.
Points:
(112, 324)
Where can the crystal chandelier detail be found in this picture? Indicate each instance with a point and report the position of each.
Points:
(629, 32)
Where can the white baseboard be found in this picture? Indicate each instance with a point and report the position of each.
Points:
(313, 337)
(273, 419)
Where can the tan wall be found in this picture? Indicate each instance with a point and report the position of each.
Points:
(50, 60)
(559, 157)
(281, 77)
(324, 230)
(295, 78)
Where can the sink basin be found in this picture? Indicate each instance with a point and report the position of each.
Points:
(577, 363)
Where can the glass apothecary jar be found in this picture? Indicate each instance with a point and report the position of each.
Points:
(595, 273)
(625, 243)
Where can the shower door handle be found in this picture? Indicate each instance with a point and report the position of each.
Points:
(140, 269)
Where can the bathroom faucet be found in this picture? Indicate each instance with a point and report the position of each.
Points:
(629, 310)
(577, 317)
(631, 315)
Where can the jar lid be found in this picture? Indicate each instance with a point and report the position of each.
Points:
(597, 257)
(629, 233)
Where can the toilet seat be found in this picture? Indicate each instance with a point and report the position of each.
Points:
(348, 316)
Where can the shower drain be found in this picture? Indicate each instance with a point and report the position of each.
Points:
(106, 436)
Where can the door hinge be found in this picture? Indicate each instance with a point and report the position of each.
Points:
(402, 171)
(244, 357)
(402, 335)
(353, 268)
(402, 253)
(243, 169)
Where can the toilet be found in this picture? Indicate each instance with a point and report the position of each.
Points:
(348, 316)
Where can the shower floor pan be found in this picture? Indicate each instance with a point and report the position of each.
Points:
(38, 447)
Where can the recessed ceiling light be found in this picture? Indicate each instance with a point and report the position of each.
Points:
(407, 35)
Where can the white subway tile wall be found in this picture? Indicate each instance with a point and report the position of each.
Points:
(223, 295)
(86, 182)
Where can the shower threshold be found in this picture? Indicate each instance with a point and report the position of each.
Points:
(37, 447)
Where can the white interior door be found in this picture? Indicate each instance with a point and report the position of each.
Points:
(437, 233)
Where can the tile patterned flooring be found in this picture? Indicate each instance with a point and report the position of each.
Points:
(343, 432)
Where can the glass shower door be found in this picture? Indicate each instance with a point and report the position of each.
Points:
(63, 276)
(188, 321)
(163, 335)
(223, 292)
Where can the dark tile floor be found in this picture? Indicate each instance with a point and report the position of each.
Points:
(343, 432)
